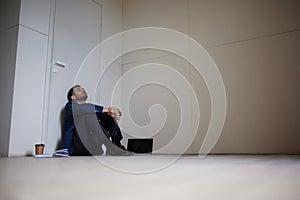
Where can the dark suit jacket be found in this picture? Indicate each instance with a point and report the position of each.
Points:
(71, 140)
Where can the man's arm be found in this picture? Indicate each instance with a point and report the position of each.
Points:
(86, 108)
(69, 128)
(111, 111)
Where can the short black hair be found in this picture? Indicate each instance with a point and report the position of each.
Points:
(70, 92)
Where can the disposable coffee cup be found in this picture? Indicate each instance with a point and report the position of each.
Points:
(39, 149)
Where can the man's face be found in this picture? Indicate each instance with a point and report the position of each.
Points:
(79, 94)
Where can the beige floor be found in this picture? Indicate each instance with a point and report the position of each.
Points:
(214, 177)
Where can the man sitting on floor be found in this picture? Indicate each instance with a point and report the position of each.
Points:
(107, 117)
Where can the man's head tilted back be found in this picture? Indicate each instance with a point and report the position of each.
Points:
(77, 94)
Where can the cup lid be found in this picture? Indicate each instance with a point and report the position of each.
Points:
(40, 145)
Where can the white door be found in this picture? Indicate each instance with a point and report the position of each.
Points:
(77, 30)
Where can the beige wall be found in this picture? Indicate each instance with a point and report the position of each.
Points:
(255, 45)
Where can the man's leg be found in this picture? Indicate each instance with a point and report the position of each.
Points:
(111, 126)
(93, 136)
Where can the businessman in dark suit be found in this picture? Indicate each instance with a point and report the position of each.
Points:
(110, 136)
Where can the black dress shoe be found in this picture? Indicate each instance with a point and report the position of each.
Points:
(119, 152)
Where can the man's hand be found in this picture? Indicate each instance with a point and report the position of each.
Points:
(114, 112)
